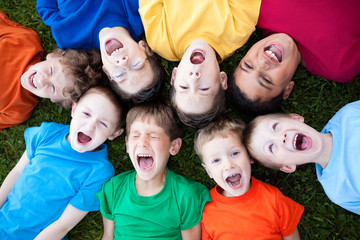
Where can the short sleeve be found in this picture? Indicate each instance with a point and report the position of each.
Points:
(85, 199)
(193, 204)
(106, 196)
(33, 137)
(289, 212)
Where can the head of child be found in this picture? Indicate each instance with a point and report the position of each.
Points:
(64, 76)
(197, 86)
(282, 141)
(224, 157)
(134, 71)
(152, 135)
(263, 77)
(96, 117)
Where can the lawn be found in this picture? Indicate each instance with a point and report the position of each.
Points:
(314, 98)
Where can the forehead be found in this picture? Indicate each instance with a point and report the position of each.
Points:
(146, 124)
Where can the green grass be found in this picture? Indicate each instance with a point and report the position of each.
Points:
(315, 98)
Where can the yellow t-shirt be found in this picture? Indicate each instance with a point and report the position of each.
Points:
(171, 26)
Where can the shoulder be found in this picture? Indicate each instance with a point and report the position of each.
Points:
(121, 179)
(46, 130)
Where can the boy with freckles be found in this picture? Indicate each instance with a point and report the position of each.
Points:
(241, 206)
(53, 185)
(151, 201)
(283, 141)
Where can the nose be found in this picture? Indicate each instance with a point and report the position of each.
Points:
(122, 61)
(90, 124)
(229, 164)
(195, 74)
(263, 63)
(43, 81)
(143, 141)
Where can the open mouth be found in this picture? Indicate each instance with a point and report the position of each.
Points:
(31, 80)
(301, 142)
(274, 53)
(83, 138)
(112, 46)
(145, 162)
(234, 180)
(197, 57)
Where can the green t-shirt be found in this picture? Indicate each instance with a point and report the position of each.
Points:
(178, 206)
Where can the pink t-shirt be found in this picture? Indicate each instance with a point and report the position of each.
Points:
(327, 33)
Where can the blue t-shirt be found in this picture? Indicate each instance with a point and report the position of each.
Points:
(77, 23)
(341, 178)
(56, 176)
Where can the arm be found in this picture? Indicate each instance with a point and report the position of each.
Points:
(294, 236)
(58, 229)
(193, 233)
(109, 226)
(11, 178)
(48, 11)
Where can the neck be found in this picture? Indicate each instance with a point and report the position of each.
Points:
(147, 188)
(324, 158)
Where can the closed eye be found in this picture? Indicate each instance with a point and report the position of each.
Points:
(183, 87)
(203, 89)
(86, 114)
(103, 124)
(215, 161)
(271, 146)
(248, 65)
(274, 126)
(267, 80)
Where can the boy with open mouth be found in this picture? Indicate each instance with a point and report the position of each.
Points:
(240, 204)
(283, 141)
(53, 185)
(151, 201)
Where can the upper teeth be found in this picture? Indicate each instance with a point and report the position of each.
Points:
(294, 143)
(272, 54)
(115, 51)
(144, 155)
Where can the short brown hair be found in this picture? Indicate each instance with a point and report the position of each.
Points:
(84, 67)
(107, 92)
(222, 127)
(200, 120)
(150, 92)
(160, 112)
(248, 138)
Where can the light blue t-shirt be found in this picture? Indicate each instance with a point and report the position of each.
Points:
(55, 176)
(77, 23)
(341, 178)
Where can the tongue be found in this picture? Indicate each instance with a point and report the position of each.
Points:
(83, 138)
(145, 162)
(302, 142)
(234, 178)
(112, 45)
(276, 51)
(197, 58)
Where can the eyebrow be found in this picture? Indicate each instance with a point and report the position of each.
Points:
(260, 82)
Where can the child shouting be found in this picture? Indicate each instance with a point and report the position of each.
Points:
(283, 141)
(53, 185)
(152, 201)
(241, 206)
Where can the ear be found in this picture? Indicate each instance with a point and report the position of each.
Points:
(251, 160)
(207, 171)
(144, 45)
(173, 75)
(175, 146)
(288, 168)
(288, 89)
(116, 134)
(297, 117)
(223, 80)
(50, 55)
(73, 107)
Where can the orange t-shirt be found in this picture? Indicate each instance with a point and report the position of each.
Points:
(20, 47)
(261, 213)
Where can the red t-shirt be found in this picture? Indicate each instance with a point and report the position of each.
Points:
(20, 47)
(261, 213)
(327, 33)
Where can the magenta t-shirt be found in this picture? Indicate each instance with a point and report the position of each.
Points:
(327, 33)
